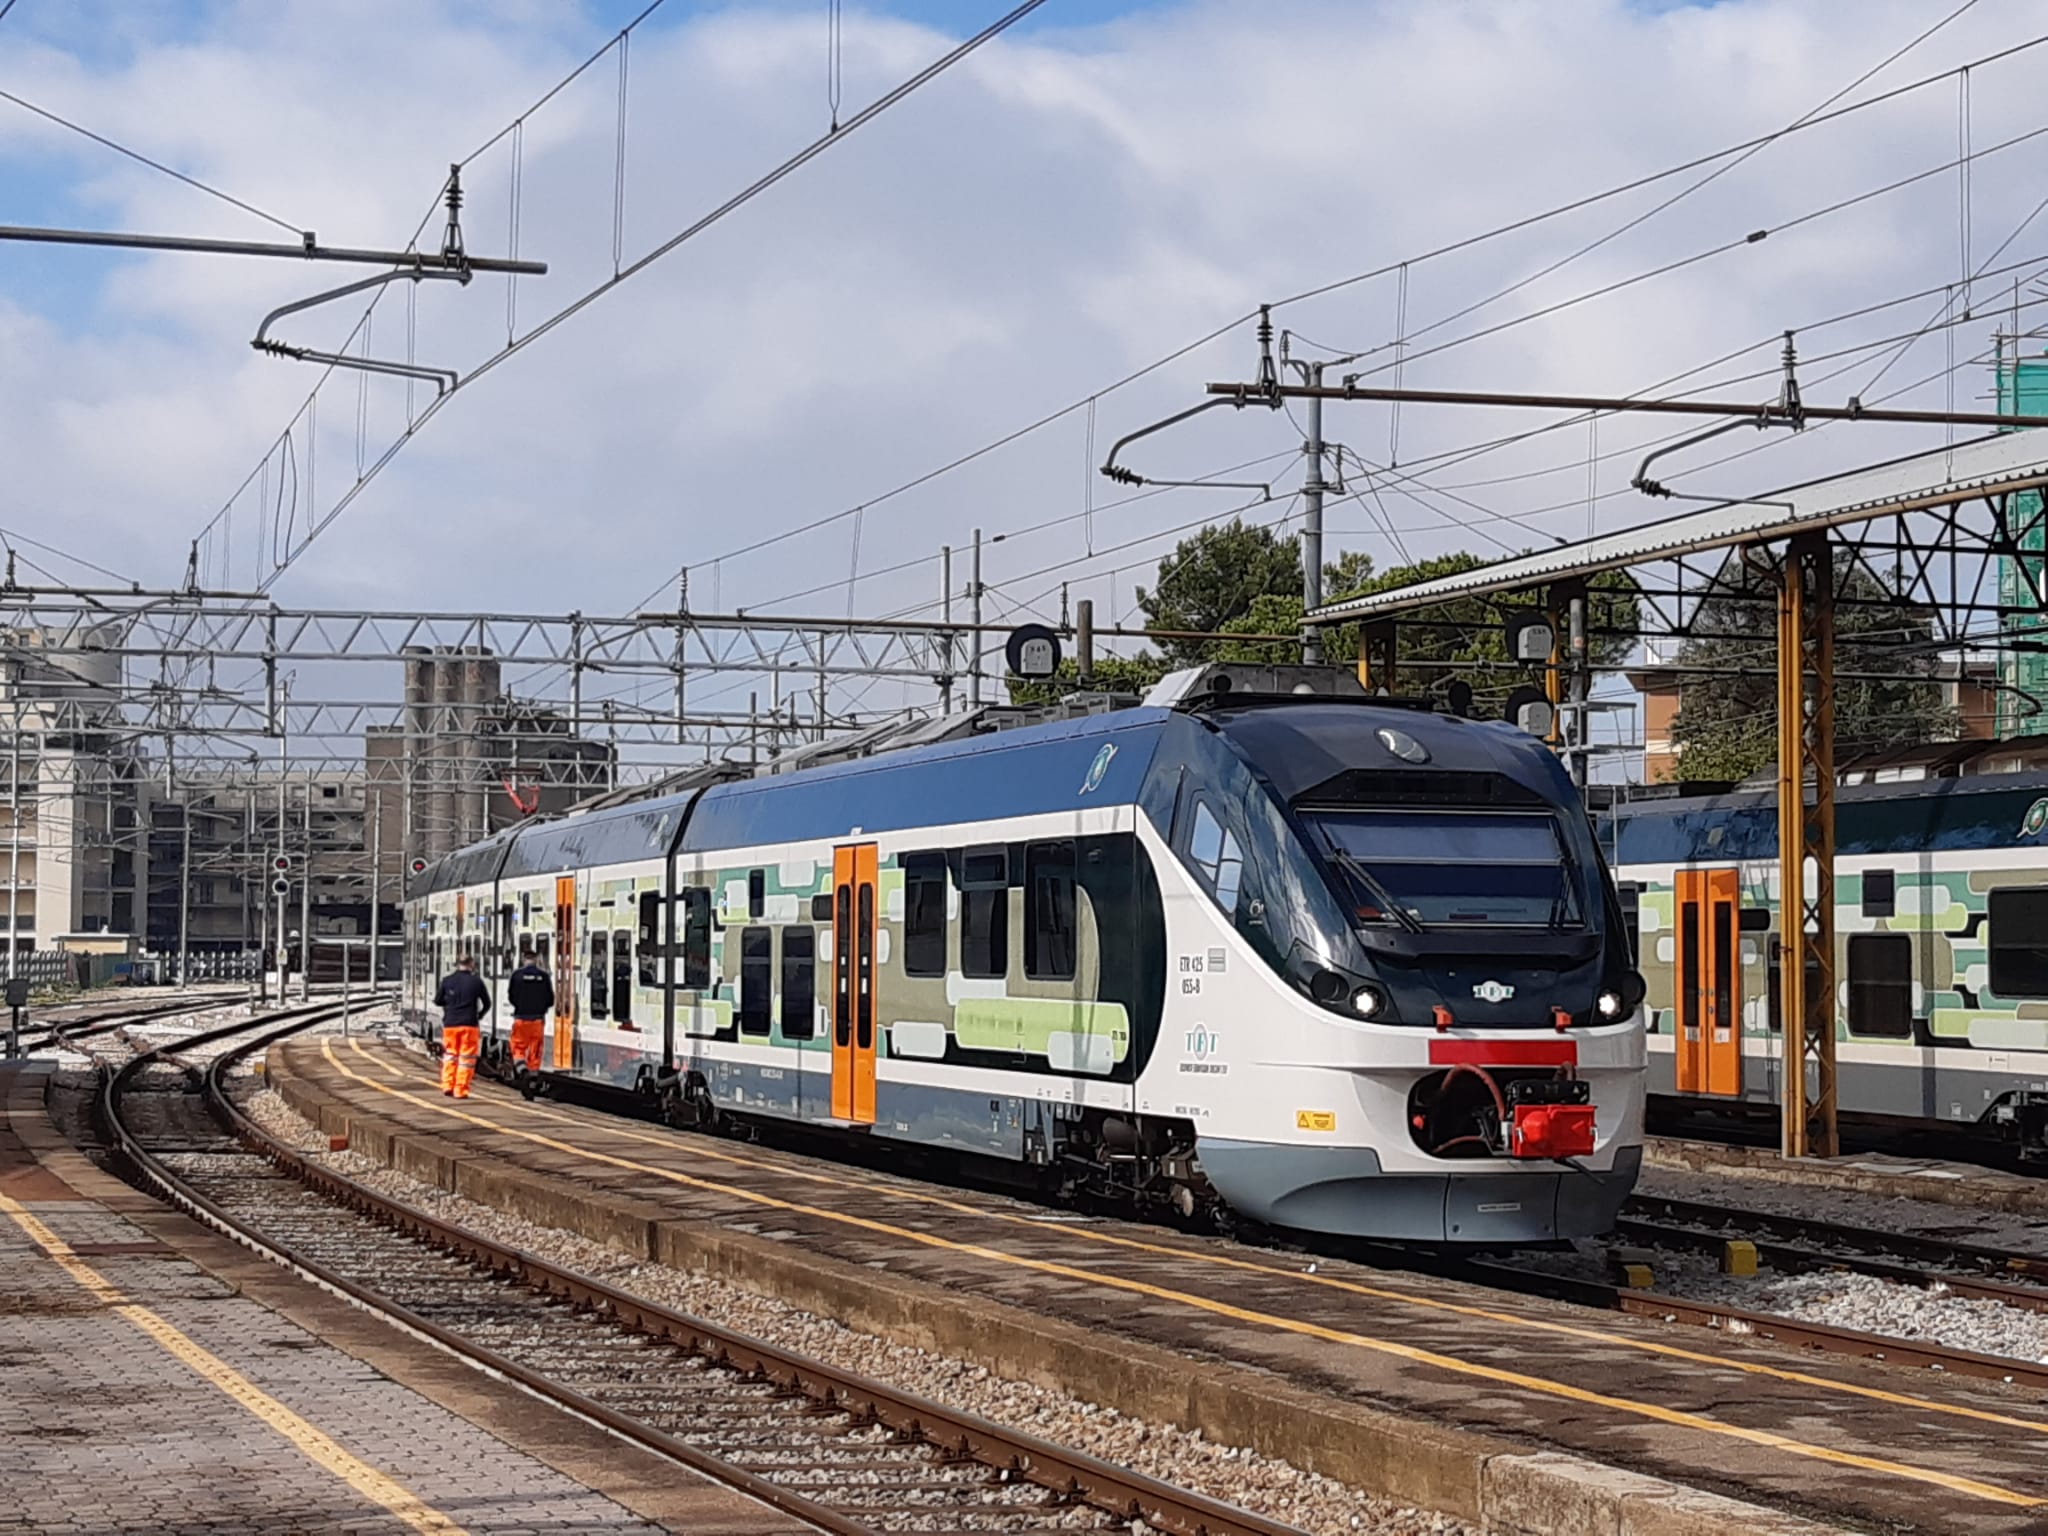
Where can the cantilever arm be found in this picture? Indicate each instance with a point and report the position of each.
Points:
(1123, 476)
(443, 379)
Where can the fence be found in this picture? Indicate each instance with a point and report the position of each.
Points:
(201, 965)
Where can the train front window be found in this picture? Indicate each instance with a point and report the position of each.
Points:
(1449, 868)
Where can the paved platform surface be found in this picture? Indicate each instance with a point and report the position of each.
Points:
(1828, 1437)
(146, 1384)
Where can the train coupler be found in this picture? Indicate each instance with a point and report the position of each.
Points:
(1550, 1118)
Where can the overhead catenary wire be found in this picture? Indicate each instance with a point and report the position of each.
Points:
(1811, 121)
(320, 522)
(296, 231)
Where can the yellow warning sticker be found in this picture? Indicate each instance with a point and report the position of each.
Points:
(1315, 1120)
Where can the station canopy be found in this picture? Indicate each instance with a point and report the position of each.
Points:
(1988, 467)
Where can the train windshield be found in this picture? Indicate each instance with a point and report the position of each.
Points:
(1440, 868)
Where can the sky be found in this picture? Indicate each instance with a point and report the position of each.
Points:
(1073, 202)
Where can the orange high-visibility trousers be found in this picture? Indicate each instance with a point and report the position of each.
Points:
(526, 1035)
(459, 1045)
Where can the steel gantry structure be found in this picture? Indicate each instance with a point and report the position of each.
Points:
(1939, 524)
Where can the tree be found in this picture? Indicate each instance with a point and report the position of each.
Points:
(1244, 579)
(1113, 674)
(1461, 639)
(1727, 723)
(1213, 577)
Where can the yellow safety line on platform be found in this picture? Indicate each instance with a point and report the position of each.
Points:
(316, 1446)
(690, 1146)
(1408, 1352)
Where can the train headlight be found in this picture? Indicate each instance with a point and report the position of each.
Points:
(1368, 1002)
(1609, 1005)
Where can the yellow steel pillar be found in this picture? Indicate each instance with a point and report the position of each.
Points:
(1553, 670)
(1806, 844)
(1376, 655)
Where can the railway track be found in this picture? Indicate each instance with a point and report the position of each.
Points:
(65, 1031)
(1870, 1249)
(1704, 1228)
(848, 1455)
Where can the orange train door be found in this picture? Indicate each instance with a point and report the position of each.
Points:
(565, 973)
(853, 984)
(1709, 982)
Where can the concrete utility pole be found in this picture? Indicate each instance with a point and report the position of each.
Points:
(1312, 520)
(184, 891)
(283, 781)
(946, 617)
(306, 899)
(14, 826)
(376, 883)
(974, 617)
(250, 920)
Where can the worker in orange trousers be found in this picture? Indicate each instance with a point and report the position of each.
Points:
(532, 996)
(463, 1001)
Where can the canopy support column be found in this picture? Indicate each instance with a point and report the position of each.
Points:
(1806, 844)
(1377, 649)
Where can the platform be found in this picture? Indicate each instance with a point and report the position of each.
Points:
(160, 1379)
(1419, 1389)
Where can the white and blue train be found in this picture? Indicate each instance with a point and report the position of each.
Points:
(1262, 947)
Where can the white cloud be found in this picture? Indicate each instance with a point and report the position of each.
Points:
(1058, 210)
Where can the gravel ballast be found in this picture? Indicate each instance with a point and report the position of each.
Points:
(1262, 1484)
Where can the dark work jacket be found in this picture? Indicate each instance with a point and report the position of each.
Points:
(530, 992)
(461, 998)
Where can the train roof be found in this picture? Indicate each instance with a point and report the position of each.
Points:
(1050, 767)
(1299, 736)
(1914, 815)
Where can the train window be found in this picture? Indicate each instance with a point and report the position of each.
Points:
(1881, 985)
(2018, 942)
(864, 944)
(799, 983)
(1756, 920)
(1880, 893)
(757, 979)
(696, 937)
(985, 913)
(1216, 855)
(1724, 965)
(600, 975)
(924, 914)
(1049, 941)
(649, 946)
(1774, 987)
(1688, 968)
(1629, 896)
(757, 892)
(622, 978)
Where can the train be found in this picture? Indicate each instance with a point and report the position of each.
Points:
(1941, 945)
(1257, 949)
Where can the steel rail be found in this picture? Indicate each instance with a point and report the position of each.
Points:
(1794, 1259)
(1863, 1240)
(1731, 1321)
(1072, 1476)
(56, 1032)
